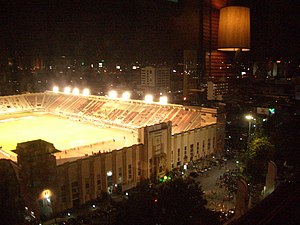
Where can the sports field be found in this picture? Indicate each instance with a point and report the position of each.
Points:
(63, 133)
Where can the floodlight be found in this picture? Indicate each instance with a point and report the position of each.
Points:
(112, 94)
(126, 96)
(55, 89)
(148, 98)
(163, 100)
(67, 90)
(75, 91)
(86, 92)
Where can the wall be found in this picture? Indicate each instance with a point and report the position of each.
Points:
(85, 179)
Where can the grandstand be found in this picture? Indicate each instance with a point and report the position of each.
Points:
(105, 112)
(128, 114)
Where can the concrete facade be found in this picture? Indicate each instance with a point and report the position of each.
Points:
(75, 183)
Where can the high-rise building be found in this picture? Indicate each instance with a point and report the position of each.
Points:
(190, 75)
(211, 60)
(148, 77)
(217, 90)
(155, 78)
(163, 74)
(202, 61)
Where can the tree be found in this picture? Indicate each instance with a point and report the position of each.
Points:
(182, 200)
(178, 201)
(140, 206)
(284, 131)
(260, 151)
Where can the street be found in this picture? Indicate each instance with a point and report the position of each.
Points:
(216, 193)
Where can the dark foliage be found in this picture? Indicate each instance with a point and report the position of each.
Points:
(175, 202)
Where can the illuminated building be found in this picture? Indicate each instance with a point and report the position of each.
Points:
(155, 78)
(216, 90)
(168, 136)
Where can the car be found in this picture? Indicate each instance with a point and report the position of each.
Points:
(194, 174)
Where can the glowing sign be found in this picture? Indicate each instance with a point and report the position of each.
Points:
(272, 111)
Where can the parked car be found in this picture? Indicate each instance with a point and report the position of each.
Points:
(194, 174)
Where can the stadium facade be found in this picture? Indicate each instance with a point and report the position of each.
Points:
(168, 136)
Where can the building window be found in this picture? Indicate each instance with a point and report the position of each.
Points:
(75, 193)
(129, 172)
(157, 145)
(214, 140)
(139, 168)
(74, 186)
(87, 185)
(63, 192)
(197, 148)
(185, 152)
(98, 182)
(191, 151)
(178, 155)
(120, 174)
(208, 144)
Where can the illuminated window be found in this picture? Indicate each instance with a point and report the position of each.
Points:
(120, 174)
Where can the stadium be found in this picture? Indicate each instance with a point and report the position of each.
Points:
(82, 145)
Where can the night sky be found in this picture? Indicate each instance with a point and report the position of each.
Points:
(130, 30)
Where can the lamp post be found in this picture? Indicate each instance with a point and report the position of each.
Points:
(249, 118)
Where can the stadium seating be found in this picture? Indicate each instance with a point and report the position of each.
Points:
(130, 114)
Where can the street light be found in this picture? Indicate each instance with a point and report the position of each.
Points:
(249, 118)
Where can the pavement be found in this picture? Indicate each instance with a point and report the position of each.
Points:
(217, 196)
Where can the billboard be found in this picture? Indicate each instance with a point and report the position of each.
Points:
(262, 111)
(265, 111)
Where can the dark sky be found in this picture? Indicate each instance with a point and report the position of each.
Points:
(132, 29)
(276, 28)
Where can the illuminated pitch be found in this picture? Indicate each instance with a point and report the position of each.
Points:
(63, 133)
